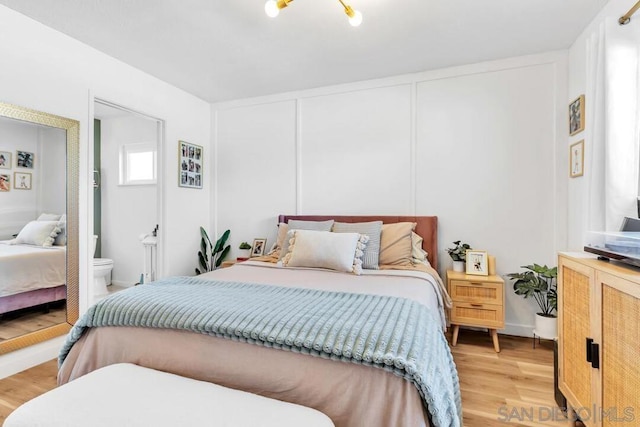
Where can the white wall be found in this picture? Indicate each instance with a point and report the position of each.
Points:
(46, 70)
(577, 194)
(52, 187)
(17, 207)
(480, 146)
(127, 210)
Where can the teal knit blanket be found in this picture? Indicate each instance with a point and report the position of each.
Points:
(395, 334)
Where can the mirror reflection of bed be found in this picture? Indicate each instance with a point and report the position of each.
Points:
(32, 228)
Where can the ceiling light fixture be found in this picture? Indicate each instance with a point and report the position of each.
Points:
(272, 9)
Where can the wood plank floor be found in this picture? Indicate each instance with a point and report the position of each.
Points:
(494, 385)
(25, 321)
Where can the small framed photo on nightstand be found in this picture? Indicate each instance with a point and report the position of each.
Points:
(477, 262)
(258, 247)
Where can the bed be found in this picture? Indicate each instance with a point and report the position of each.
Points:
(354, 383)
(31, 275)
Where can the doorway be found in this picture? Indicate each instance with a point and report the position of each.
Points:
(127, 192)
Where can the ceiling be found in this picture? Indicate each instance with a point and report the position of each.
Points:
(221, 50)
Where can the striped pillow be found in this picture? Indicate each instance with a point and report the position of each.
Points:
(372, 229)
(295, 224)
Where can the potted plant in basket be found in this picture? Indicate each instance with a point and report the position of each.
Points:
(539, 282)
(459, 255)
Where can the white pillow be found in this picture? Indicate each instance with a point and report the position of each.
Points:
(48, 217)
(417, 253)
(295, 224)
(61, 239)
(324, 249)
(38, 233)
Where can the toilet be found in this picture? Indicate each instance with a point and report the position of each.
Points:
(101, 272)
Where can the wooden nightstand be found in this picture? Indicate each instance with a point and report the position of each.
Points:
(477, 301)
(226, 264)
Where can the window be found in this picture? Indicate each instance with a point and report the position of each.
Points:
(138, 164)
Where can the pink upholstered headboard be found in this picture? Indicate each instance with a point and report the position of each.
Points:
(427, 227)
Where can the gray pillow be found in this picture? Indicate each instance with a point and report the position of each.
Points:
(372, 229)
(295, 224)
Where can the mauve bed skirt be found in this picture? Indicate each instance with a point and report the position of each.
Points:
(32, 298)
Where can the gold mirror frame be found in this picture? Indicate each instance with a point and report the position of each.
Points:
(72, 128)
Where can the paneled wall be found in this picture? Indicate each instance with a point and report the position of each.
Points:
(475, 145)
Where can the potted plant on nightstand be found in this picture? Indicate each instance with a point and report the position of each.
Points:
(245, 249)
(539, 282)
(459, 255)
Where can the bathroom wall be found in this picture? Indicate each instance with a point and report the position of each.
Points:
(127, 211)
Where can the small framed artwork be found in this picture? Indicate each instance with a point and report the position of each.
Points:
(258, 247)
(24, 159)
(5, 182)
(477, 262)
(5, 160)
(22, 180)
(576, 159)
(190, 168)
(576, 116)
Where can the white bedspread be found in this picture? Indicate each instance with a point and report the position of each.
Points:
(415, 285)
(25, 268)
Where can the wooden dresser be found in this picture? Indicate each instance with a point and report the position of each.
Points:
(599, 340)
(477, 301)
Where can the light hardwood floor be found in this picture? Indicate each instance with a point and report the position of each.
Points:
(493, 385)
(25, 321)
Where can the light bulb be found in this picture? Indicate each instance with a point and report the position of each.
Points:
(356, 19)
(271, 8)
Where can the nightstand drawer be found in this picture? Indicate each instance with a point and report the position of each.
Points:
(477, 314)
(476, 292)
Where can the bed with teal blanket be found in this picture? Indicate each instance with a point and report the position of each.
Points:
(358, 348)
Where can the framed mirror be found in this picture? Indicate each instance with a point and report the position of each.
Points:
(39, 164)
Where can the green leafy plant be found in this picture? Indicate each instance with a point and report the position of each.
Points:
(539, 282)
(209, 256)
(459, 251)
(244, 245)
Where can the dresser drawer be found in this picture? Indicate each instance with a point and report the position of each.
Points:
(476, 292)
(477, 314)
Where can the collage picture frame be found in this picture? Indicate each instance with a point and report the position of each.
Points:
(190, 165)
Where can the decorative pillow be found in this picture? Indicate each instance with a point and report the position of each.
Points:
(395, 243)
(48, 217)
(417, 253)
(323, 249)
(371, 229)
(38, 233)
(61, 239)
(295, 224)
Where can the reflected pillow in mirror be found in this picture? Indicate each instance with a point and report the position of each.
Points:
(38, 233)
(61, 239)
(48, 217)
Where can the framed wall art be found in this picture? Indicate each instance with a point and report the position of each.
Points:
(24, 159)
(5, 160)
(190, 170)
(5, 182)
(576, 159)
(576, 116)
(22, 180)
(477, 262)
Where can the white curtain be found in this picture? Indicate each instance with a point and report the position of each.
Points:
(612, 134)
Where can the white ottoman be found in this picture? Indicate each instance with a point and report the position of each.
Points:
(129, 395)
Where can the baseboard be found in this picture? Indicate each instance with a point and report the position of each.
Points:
(121, 284)
(19, 360)
(517, 330)
(509, 329)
